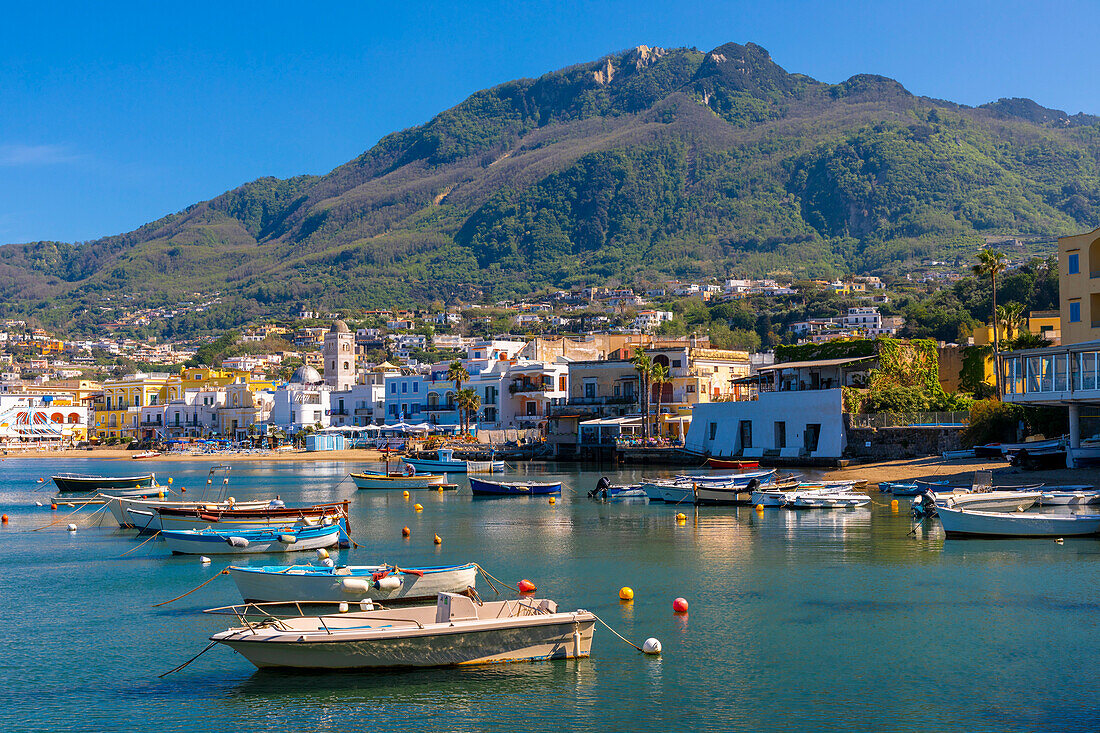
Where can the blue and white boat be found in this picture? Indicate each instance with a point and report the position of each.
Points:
(481, 487)
(607, 491)
(248, 541)
(445, 462)
(318, 584)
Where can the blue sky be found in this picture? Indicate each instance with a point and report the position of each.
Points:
(113, 115)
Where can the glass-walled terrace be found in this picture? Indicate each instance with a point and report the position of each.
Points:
(1051, 371)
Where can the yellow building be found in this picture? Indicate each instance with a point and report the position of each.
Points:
(1047, 324)
(118, 411)
(1079, 286)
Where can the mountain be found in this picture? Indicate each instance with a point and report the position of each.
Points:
(644, 164)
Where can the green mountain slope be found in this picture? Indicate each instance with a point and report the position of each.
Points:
(641, 165)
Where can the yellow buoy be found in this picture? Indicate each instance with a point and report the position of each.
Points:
(418, 507)
(405, 494)
(681, 517)
(438, 540)
(439, 488)
(894, 506)
(626, 593)
(169, 479)
(760, 507)
(553, 500)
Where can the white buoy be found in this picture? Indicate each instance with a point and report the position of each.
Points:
(328, 563)
(204, 560)
(322, 553)
(651, 646)
(366, 605)
(38, 503)
(72, 527)
(343, 607)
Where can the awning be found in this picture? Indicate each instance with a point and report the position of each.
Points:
(811, 364)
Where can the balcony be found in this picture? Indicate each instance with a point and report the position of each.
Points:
(519, 387)
(621, 400)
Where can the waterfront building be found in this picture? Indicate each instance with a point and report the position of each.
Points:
(43, 419)
(118, 412)
(339, 356)
(303, 401)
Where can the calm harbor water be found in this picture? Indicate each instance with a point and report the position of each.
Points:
(819, 620)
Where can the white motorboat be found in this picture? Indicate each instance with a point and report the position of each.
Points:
(784, 495)
(968, 522)
(457, 630)
(669, 491)
(989, 501)
(1069, 496)
(351, 582)
(250, 541)
(141, 514)
(826, 499)
(445, 462)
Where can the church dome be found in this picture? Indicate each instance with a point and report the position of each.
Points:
(306, 374)
(339, 327)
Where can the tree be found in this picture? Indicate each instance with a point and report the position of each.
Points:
(992, 263)
(1012, 319)
(457, 374)
(468, 405)
(660, 376)
(644, 366)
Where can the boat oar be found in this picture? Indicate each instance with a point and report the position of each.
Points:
(177, 669)
(172, 600)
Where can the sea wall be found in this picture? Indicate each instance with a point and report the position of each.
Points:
(884, 444)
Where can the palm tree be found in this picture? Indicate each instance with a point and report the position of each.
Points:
(660, 376)
(468, 405)
(1012, 318)
(457, 374)
(992, 263)
(644, 366)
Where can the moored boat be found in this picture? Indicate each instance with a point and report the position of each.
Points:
(137, 513)
(74, 482)
(971, 523)
(351, 582)
(989, 501)
(610, 492)
(268, 516)
(371, 480)
(146, 454)
(481, 487)
(239, 541)
(454, 631)
(731, 463)
(826, 499)
(445, 462)
(1068, 495)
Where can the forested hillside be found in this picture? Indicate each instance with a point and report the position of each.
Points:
(645, 164)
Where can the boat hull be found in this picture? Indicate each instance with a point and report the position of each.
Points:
(991, 501)
(378, 481)
(431, 646)
(315, 584)
(520, 488)
(969, 523)
(196, 543)
(140, 514)
(669, 494)
(731, 463)
(95, 484)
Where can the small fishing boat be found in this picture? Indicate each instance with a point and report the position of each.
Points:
(145, 454)
(481, 487)
(370, 480)
(738, 493)
(971, 523)
(445, 462)
(670, 492)
(139, 513)
(267, 516)
(610, 492)
(739, 479)
(351, 582)
(79, 482)
(826, 499)
(249, 541)
(954, 455)
(731, 463)
(454, 631)
(989, 501)
(1068, 495)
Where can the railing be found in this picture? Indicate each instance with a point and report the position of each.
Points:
(516, 388)
(627, 400)
(909, 419)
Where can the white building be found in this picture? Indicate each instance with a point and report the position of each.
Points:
(339, 356)
(649, 320)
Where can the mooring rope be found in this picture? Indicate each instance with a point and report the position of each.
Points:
(74, 511)
(177, 669)
(616, 633)
(154, 536)
(491, 578)
(172, 600)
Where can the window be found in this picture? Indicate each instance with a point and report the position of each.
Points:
(713, 429)
(675, 362)
(589, 389)
(393, 387)
(1074, 264)
(780, 434)
(416, 387)
(404, 387)
(1074, 315)
(346, 366)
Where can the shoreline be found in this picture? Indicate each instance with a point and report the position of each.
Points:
(352, 455)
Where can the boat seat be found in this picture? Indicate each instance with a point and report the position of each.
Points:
(454, 607)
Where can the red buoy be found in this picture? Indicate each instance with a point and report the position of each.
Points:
(405, 532)
(680, 605)
(526, 586)
(54, 507)
(4, 519)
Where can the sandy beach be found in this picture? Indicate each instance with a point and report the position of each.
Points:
(108, 454)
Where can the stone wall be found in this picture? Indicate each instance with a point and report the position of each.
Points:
(893, 443)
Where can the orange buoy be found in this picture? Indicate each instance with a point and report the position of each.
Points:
(680, 605)
(405, 532)
(169, 479)
(759, 507)
(4, 519)
(626, 594)
(54, 507)
(183, 490)
(438, 540)
(526, 586)
(41, 480)
(418, 507)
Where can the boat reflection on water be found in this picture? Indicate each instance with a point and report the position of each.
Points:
(826, 526)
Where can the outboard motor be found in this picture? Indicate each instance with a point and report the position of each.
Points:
(925, 505)
(601, 487)
(752, 485)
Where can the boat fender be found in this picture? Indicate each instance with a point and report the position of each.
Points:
(276, 503)
(366, 605)
(328, 562)
(208, 517)
(355, 585)
(389, 582)
(322, 553)
(576, 643)
(288, 539)
(327, 521)
(237, 541)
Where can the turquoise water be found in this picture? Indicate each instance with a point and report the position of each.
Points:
(811, 621)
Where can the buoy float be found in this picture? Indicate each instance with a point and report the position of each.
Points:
(418, 507)
(343, 607)
(160, 494)
(169, 479)
(553, 500)
(680, 605)
(651, 646)
(405, 532)
(54, 507)
(439, 488)
(626, 593)
(1059, 540)
(438, 540)
(72, 527)
(322, 553)
(526, 586)
(894, 506)
(4, 519)
(39, 480)
(183, 490)
(366, 605)
(38, 503)
(760, 508)
(681, 517)
(204, 560)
